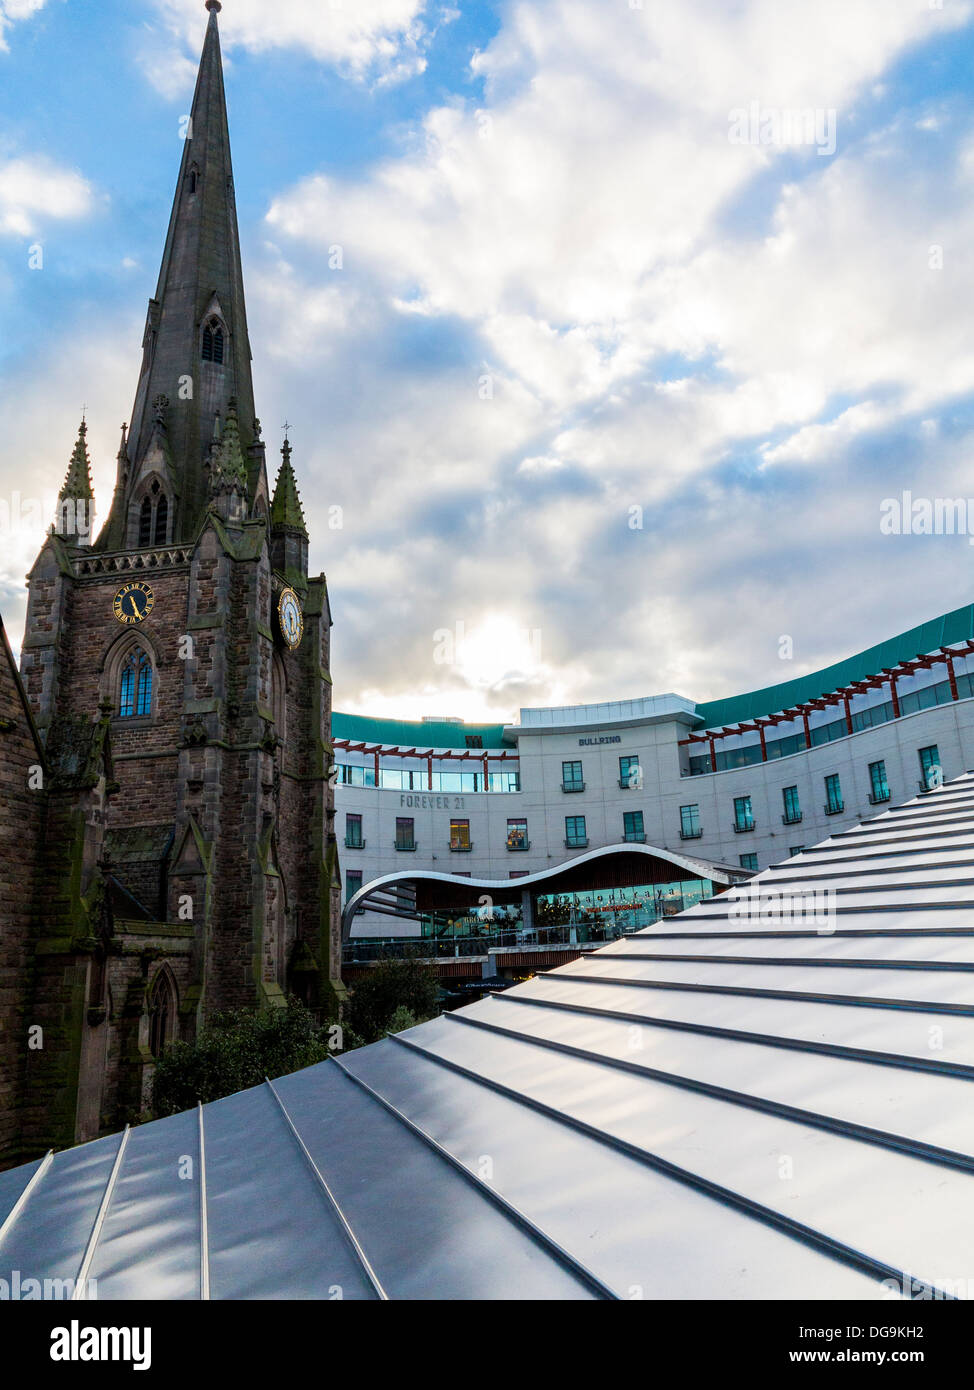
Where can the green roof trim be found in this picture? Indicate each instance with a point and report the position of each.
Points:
(401, 733)
(945, 631)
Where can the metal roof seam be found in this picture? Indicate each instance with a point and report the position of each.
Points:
(899, 1060)
(857, 909)
(204, 1228)
(22, 1200)
(80, 1290)
(842, 932)
(798, 1230)
(869, 873)
(752, 992)
(868, 1134)
(558, 1252)
(839, 962)
(347, 1230)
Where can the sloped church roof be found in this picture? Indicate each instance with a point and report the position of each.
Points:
(740, 1105)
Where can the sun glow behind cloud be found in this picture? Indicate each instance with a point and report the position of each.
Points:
(566, 301)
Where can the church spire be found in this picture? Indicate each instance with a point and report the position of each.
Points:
(196, 350)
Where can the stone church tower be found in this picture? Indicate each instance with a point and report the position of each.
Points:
(177, 672)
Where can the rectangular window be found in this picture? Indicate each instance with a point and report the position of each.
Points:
(690, 823)
(353, 832)
(459, 836)
(517, 834)
(749, 861)
(743, 819)
(931, 771)
(630, 774)
(405, 834)
(878, 786)
(474, 741)
(353, 882)
(833, 795)
(793, 810)
(633, 829)
(575, 837)
(571, 777)
(796, 849)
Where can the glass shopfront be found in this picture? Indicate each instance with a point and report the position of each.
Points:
(616, 911)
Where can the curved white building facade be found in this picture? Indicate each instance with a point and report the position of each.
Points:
(743, 782)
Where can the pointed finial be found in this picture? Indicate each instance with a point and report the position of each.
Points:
(286, 509)
(214, 5)
(78, 482)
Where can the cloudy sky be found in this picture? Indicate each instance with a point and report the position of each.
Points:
(620, 360)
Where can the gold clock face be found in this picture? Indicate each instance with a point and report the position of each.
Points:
(134, 603)
(291, 618)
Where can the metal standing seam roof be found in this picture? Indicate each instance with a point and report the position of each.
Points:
(730, 1107)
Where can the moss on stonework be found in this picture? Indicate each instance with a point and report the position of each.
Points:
(271, 995)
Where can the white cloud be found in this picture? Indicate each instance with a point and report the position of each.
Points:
(577, 225)
(40, 436)
(33, 190)
(379, 39)
(13, 10)
(661, 313)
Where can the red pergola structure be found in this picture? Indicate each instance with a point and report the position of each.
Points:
(382, 750)
(843, 697)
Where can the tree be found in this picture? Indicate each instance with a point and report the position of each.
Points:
(236, 1050)
(409, 986)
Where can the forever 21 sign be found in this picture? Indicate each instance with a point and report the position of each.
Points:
(432, 803)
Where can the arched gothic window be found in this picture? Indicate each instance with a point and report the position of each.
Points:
(162, 1013)
(279, 696)
(213, 341)
(135, 694)
(154, 517)
(162, 520)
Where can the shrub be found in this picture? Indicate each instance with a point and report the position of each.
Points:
(236, 1050)
(392, 987)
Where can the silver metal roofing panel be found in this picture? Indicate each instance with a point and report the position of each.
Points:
(907, 1038)
(721, 1106)
(630, 1223)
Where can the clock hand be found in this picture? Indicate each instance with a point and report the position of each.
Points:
(135, 610)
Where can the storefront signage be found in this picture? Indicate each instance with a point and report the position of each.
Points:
(433, 803)
(604, 738)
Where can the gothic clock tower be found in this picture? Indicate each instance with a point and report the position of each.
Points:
(177, 668)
